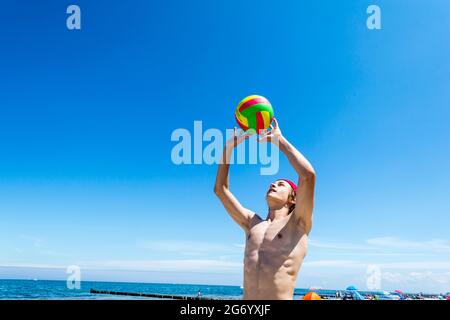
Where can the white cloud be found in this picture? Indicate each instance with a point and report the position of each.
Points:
(38, 246)
(35, 241)
(408, 265)
(334, 264)
(417, 265)
(32, 265)
(417, 280)
(336, 245)
(194, 248)
(226, 259)
(394, 278)
(384, 243)
(179, 265)
(438, 245)
(188, 265)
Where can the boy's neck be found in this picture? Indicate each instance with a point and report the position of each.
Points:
(277, 213)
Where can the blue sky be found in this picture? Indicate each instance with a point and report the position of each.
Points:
(86, 176)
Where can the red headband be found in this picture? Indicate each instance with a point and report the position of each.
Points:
(293, 185)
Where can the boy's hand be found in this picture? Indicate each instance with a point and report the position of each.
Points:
(273, 135)
(238, 138)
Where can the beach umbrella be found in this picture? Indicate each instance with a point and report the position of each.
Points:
(357, 296)
(390, 296)
(351, 288)
(311, 296)
(448, 298)
(399, 293)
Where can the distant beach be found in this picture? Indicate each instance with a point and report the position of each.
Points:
(57, 290)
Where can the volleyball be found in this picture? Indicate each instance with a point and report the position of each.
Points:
(254, 112)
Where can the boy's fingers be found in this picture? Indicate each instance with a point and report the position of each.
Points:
(264, 135)
(250, 132)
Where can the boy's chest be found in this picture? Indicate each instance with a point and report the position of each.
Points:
(270, 234)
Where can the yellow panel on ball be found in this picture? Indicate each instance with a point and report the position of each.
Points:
(254, 112)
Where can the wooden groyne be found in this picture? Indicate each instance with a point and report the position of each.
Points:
(149, 295)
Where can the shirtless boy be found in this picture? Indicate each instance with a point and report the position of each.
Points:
(275, 246)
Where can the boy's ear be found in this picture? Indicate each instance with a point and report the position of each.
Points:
(293, 198)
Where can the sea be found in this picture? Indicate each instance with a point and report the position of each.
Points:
(59, 290)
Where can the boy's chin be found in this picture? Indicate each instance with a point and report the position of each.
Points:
(270, 196)
(273, 200)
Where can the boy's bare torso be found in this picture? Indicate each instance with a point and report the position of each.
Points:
(274, 252)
